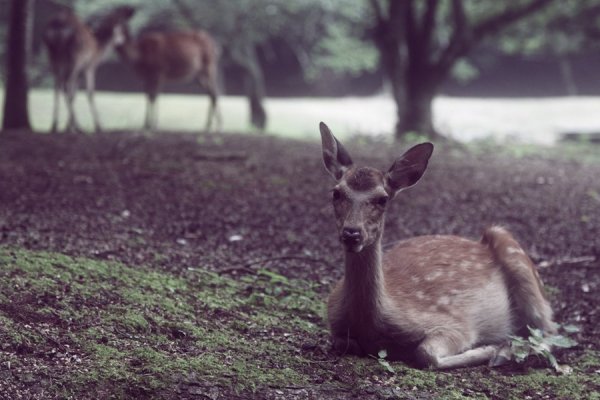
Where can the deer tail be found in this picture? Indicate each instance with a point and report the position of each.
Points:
(524, 284)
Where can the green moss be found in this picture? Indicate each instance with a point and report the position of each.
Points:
(139, 332)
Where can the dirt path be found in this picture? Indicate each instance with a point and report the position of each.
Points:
(227, 202)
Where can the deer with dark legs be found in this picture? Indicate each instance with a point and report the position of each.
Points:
(159, 57)
(438, 301)
(75, 48)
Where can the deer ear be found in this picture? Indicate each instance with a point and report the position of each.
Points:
(409, 168)
(335, 157)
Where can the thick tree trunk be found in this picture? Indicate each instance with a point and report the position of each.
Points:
(415, 111)
(421, 83)
(16, 114)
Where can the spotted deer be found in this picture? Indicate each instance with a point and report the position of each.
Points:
(75, 48)
(158, 57)
(436, 301)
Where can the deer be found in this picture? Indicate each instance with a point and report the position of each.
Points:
(76, 48)
(437, 301)
(159, 57)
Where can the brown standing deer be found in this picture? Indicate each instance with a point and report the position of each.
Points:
(440, 301)
(75, 48)
(158, 57)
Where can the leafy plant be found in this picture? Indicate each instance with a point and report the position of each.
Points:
(538, 345)
(381, 359)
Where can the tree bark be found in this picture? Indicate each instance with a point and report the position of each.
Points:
(416, 116)
(16, 115)
(244, 55)
(414, 66)
(566, 72)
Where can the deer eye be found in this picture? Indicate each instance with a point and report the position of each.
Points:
(380, 201)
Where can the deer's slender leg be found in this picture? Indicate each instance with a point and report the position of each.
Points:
(209, 82)
(71, 91)
(151, 120)
(152, 87)
(90, 80)
(55, 112)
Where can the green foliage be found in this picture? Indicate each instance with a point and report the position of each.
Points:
(381, 359)
(539, 345)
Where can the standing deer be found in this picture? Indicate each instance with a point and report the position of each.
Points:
(158, 57)
(439, 301)
(75, 48)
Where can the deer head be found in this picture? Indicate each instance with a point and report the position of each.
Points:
(361, 194)
(112, 28)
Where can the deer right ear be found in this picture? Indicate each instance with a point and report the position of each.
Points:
(409, 168)
(335, 157)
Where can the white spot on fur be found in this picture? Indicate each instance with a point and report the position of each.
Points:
(415, 279)
(444, 301)
(465, 264)
(497, 230)
(419, 294)
(433, 276)
(514, 250)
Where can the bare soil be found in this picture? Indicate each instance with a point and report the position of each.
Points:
(233, 203)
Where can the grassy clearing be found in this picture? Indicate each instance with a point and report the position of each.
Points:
(507, 121)
(296, 118)
(71, 326)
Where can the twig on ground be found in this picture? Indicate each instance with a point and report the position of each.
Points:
(583, 261)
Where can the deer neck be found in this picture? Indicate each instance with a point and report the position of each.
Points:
(364, 290)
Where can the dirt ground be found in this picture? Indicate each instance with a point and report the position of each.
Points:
(231, 202)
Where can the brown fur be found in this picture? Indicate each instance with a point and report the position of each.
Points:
(74, 49)
(159, 57)
(442, 301)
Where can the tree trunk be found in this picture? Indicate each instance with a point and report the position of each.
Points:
(566, 72)
(246, 58)
(415, 111)
(16, 114)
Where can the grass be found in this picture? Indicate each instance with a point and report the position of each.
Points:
(74, 325)
(507, 121)
(296, 118)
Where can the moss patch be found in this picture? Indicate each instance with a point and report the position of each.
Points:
(72, 326)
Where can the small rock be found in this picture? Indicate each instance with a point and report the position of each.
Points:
(235, 238)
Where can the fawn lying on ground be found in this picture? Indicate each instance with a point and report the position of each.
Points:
(440, 301)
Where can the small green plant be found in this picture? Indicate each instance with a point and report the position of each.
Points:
(538, 345)
(381, 359)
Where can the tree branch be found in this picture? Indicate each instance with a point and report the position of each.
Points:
(376, 6)
(464, 37)
(496, 23)
(428, 22)
(413, 42)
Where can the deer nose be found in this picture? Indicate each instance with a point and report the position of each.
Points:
(351, 235)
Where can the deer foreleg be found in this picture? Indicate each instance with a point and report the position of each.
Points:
(55, 112)
(90, 79)
(214, 113)
(151, 121)
(71, 90)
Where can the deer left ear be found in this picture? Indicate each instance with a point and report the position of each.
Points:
(409, 168)
(335, 157)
